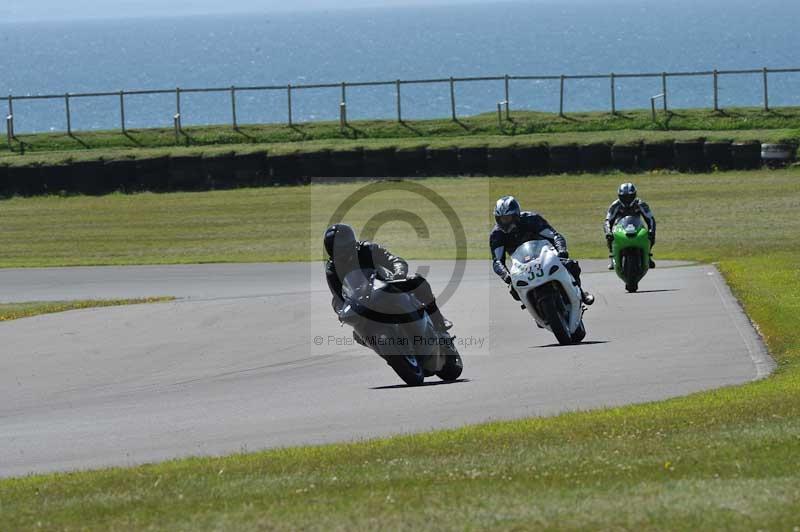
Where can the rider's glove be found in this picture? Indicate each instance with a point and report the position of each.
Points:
(563, 254)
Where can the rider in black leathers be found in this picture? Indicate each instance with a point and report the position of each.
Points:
(628, 204)
(346, 254)
(515, 227)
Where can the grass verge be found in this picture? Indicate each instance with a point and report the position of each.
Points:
(696, 214)
(724, 459)
(525, 127)
(16, 311)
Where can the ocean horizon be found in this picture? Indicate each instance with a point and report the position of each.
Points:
(382, 44)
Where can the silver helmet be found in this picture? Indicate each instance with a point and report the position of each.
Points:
(506, 213)
(627, 194)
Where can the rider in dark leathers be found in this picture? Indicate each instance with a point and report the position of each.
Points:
(628, 204)
(515, 227)
(346, 254)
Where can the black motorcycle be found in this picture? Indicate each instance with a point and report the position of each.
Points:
(394, 324)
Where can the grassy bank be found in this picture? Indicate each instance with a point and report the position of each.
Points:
(523, 128)
(725, 459)
(16, 311)
(274, 224)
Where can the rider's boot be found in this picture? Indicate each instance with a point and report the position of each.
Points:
(445, 325)
(575, 271)
(652, 264)
(441, 324)
(611, 262)
(586, 297)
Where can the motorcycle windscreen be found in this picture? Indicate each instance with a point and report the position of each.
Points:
(357, 284)
(530, 250)
(631, 224)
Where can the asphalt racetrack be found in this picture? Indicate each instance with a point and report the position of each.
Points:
(251, 357)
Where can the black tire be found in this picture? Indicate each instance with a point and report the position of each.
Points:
(453, 366)
(553, 310)
(407, 368)
(632, 270)
(580, 334)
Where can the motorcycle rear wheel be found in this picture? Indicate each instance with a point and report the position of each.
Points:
(407, 368)
(453, 366)
(580, 334)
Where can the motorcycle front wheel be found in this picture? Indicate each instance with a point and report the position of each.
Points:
(407, 368)
(555, 314)
(632, 270)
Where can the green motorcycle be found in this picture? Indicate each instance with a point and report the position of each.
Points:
(631, 250)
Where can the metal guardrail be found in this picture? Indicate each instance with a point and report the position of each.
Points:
(398, 84)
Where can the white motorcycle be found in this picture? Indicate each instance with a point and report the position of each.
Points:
(548, 291)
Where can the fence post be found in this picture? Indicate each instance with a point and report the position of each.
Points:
(399, 104)
(508, 99)
(500, 115)
(122, 110)
(716, 90)
(233, 108)
(453, 99)
(10, 120)
(343, 107)
(177, 124)
(289, 101)
(766, 90)
(69, 115)
(613, 95)
(561, 98)
(664, 89)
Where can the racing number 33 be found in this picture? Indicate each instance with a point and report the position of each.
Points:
(535, 272)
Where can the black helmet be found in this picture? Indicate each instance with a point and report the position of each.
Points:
(627, 194)
(340, 239)
(506, 213)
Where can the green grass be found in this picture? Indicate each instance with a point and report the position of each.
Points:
(16, 311)
(274, 224)
(724, 459)
(524, 128)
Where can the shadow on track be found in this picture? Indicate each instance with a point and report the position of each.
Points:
(658, 291)
(424, 384)
(590, 342)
